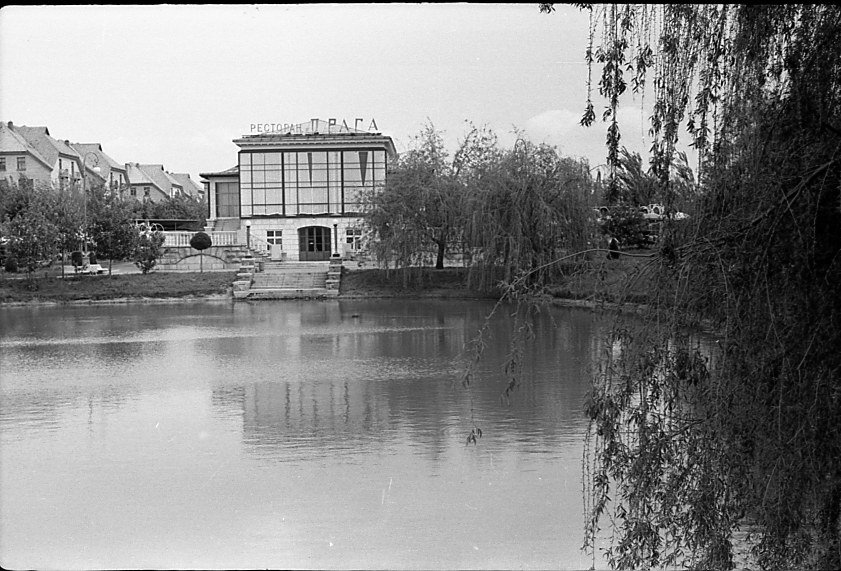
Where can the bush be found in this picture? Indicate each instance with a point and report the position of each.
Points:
(11, 265)
(149, 249)
(627, 225)
(201, 241)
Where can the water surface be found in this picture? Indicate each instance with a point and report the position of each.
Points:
(288, 435)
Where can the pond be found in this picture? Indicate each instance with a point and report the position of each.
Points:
(298, 434)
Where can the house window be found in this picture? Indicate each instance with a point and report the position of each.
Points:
(274, 237)
(146, 191)
(133, 192)
(3, 164)
(353, 237)
(21, 163)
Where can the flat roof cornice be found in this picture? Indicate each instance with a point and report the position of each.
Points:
(290, 142)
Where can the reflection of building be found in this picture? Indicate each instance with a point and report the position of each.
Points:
(299, 187)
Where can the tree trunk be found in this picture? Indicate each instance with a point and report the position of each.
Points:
(442, 248)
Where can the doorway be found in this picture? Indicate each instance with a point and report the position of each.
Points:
(314, 244)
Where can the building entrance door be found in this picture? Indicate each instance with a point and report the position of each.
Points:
(314, 244)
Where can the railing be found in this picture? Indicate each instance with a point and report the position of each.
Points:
(182, 239)
(258, 243)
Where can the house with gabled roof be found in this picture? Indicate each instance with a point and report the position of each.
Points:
(39, 156)
(151, 182)
(191, 187)
(111, 174)
(20, 159)
(141, 186)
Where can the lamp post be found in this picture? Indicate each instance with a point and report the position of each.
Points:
(248, 234)
(335, 239)
(85, 195)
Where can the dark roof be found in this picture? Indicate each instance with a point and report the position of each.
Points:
(233, 171)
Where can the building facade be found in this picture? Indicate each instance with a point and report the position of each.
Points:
(32, 153)
(189, 186)
(300, 189)
(152, 183)
(101, 168)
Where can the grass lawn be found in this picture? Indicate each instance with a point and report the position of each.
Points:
(17, 288)
(448, 282)
(598, 279)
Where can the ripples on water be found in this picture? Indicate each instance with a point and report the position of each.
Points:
(294, 434)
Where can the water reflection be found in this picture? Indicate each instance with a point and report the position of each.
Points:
(299, 434)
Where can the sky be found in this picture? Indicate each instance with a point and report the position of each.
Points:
(176, 84)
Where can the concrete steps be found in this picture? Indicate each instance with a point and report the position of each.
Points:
(293, 280)
(289, 280)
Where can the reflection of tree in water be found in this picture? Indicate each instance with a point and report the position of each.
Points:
(391, 373)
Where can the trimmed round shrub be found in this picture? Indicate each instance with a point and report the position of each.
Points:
(201, 241)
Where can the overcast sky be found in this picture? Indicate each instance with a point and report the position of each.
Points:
(175, 85)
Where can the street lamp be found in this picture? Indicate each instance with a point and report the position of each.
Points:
(335, 239)
(85, 194)
(248, 234)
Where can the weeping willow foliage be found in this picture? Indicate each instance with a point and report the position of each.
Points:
(419, 210)
(508, 213)
(698, 450)
(526, 210)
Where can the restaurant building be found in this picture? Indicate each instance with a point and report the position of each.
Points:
(297, 189)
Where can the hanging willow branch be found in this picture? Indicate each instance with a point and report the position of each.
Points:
(694, 442)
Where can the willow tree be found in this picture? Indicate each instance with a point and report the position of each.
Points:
(420, 214)
(694, 449)
(528, 207)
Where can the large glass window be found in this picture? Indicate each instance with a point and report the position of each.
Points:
(312, 183)
(363, 170)
(308, 182)
(227, 200)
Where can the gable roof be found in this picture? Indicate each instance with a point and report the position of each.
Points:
(48, 147)
(138, 176)
(96, 148)
(189, 186)
(160, 177)
(12, 142)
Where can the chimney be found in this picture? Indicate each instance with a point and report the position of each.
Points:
(11, 124)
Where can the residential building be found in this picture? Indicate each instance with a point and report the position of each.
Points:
(33, 153)
(141, 186)
(151, 182)
(111, 174)
(300, 188)
(190, 186)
